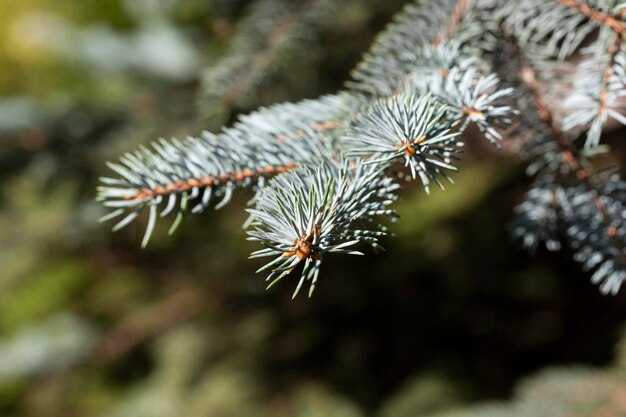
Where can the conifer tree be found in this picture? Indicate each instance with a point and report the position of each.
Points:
(324, 172)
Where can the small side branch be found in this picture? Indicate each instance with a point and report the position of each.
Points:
(604, 19)
(614, 49)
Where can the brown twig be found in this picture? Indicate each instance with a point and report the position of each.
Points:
(458, 12)
(614, 22)
(615, 47)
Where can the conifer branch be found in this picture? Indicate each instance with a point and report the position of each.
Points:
(263, 144)
(429, 75)
(610, 220)
(599, 88)
(528, 76)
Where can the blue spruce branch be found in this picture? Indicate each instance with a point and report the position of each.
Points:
(321, 170)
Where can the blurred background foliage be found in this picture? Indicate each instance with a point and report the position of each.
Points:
(451, 317)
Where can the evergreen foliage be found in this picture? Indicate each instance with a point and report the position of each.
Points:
(323, 170)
